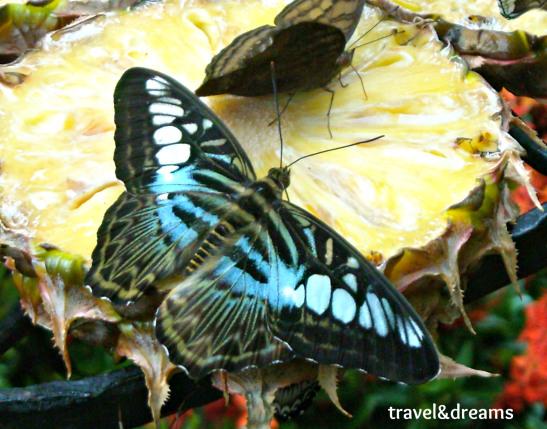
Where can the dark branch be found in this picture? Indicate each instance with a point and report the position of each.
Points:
(530, 236)
(97, 402)
(13, 328)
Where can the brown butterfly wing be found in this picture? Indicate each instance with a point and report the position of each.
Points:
(305, 56)
(342, 14)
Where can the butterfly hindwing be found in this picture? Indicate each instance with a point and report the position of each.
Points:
(344, 312)
(293, 400)
(179, 164)
(216, 317)
(342, 14)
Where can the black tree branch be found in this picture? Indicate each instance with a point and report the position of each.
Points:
(530, 237)
(114, 400)
(13, 327)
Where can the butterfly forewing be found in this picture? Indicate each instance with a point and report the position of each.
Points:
(164, 139)
(343, 311)
(179, 164)
(304, 55)
(342, 14)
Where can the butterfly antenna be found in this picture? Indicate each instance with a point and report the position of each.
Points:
(274, 85)
(335, 148)
(330, 108)
(393, 33)
(366, 32)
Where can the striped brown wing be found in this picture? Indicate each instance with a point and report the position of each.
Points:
(342, 14)
(305, 57)
(514, 8)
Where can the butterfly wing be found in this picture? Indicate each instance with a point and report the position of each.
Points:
(293, 400)
(285, 286)
(215, 319)
(305, 57)
(342, 14)
(514, 8)
(179, 164)
(231, 67)
(343, 311)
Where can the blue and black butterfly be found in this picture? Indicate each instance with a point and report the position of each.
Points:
(246, 278)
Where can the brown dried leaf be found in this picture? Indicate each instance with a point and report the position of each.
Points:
(452, 369)
(328, 380)
(138, 343)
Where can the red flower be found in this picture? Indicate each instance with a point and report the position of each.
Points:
(528, 383)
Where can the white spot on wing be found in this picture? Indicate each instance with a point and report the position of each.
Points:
(159, 120)
(191, 128)
(318, 291)
(170, 100)
(162, 197)
(388, 312)
(365, 318)
(167, 135)
(351, 281)
(207, 123)
(377, 313)
(166, 171)
(166, 109)
(214, 143)
(415, 334)
(328, 251)
(156, 83)
(402, 329)
(173, 154)
(352, 262)
(297, 295)
(343, 306)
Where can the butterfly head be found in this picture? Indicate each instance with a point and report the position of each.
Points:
(281, 176)
(345, 59)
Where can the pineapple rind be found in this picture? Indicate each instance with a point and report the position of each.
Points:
(456, 11)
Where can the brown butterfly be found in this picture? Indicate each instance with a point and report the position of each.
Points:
(513, 8)
(306, 48)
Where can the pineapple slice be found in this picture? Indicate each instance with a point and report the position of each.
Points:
(426, 201)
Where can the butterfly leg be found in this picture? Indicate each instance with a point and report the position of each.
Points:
(291, 95)
(360, 80)
(330, 107)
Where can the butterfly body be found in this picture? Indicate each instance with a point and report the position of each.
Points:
(306, 48)
(245, 278)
